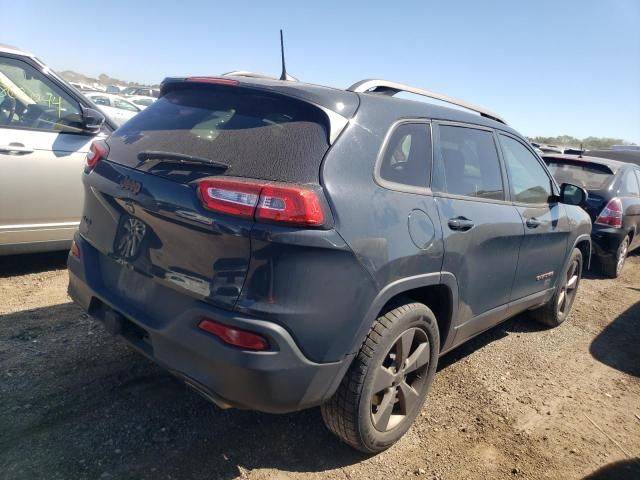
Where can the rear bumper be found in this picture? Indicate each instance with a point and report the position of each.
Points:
(276, 381)
(606, 240)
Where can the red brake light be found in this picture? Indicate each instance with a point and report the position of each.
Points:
(219, 81)
(290, 204)
(611, 215)
(97, 151)
(235, 336)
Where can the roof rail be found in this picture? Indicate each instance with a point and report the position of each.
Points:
(385, 87)
(246, 73)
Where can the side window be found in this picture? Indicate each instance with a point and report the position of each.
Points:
(124, 105)
(407, 157)
(98, 100)
(468, 163)
(529, 181)
(630, 184)
(28, 99)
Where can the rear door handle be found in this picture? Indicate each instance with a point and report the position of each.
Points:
(15, 149)
(533, 222)
(460, 223)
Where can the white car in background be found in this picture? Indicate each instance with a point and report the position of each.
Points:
(141, 101)
(116, 108)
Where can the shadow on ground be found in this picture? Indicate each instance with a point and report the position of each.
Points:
(32, 263)
(622, 470)
(617, 344)
(85, 406)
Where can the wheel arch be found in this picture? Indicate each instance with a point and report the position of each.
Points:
(438, 291)
(582, 243)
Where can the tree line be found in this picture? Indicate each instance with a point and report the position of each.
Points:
(588, 143)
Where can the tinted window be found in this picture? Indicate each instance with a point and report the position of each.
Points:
(468, 164)
(258, 135)
(630, 184)
(28, 99)
(99, 100)
(124, 105)
(589, 176)
(529, 181)
(407, 158)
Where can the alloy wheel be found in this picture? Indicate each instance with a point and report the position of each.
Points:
(622, 255)
(569, 289)
(398, 384)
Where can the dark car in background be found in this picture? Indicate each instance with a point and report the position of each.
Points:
(628, 156)
(613, 204)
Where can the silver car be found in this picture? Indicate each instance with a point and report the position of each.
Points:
(46, 128)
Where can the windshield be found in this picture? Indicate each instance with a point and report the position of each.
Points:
(589, 176)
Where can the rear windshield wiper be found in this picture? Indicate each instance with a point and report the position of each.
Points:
(180, 158)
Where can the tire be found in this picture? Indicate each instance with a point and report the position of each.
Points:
(364, 412)
(612, 267)
(558, 308)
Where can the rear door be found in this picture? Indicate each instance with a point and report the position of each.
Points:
(42, 152)
(546, 225)
(482, 230)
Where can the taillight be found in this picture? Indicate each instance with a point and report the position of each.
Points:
(97, 151)
(235, 336)
(290, 204)
(230, 197)
(611, 215)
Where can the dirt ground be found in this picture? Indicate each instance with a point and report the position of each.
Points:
(519, 401)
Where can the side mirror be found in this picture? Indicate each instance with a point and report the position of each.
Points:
(92, 120)
(572, 194)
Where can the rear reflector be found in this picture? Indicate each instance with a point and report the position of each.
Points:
(216, 80)
(611, 215)
(74, 250)
(97, 151)
(274, 203)
(235, 336)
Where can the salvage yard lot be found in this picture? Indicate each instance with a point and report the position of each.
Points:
(516, 402)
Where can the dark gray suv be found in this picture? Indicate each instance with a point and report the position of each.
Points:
(281, 245)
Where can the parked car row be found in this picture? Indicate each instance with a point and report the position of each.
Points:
(280, 245)
(613, 203)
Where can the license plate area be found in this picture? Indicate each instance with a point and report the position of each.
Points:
(119, 325)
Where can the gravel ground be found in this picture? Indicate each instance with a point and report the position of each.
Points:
(516, 402)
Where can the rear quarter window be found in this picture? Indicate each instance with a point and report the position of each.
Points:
(406, 160)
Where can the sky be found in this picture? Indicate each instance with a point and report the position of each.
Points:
(548, 67)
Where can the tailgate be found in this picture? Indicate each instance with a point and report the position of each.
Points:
(158, 228)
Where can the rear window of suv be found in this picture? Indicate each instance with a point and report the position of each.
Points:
(590, 176)
(258, 135)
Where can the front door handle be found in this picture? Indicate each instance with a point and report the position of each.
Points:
(460, 223)
(533, 222)
(15, 149)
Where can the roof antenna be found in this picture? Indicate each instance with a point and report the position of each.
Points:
(284, 75)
